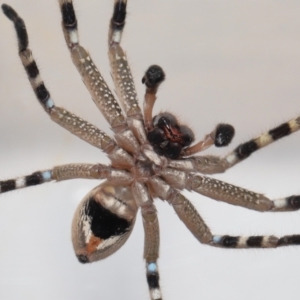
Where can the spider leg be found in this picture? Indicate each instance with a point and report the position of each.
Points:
(65, 172)
(211, 164)
(219, 190)
(193, 221)
(69, 121)
(121, 73)
(205, 164)
(222, 191)
(151, 250)
(227, 241)
(151, 245)
(220, 137)
(101, 94)
(246, 149)
(152, 79)
(119, 65)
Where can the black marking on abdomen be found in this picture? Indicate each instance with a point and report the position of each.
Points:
(104, 223)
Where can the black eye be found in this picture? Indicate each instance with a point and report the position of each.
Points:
(173, 150)
(156, 136)
(164, 120)
(187, 135)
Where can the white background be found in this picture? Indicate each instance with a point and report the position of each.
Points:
(226, 61)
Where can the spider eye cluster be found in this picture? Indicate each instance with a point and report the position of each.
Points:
(168, 137)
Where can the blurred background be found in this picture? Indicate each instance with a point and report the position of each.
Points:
(226, 61)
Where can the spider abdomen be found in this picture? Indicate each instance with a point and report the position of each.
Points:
(103, 222)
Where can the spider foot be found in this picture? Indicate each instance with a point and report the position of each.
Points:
(19, 26)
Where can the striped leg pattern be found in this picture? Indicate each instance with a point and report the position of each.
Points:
(246, 149)
(210, 164)
(119, 65)
(153, 280)
(127, 94)
(100, 92)
(65, 172)
(121, 73)
(193, 221)
(64, 118)
(227, 241)
(151, 249)
(151, 157)
(26, 181)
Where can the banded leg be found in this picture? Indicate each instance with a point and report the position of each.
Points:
(69, 121)
(151, 245)
(119, 65)
(26, 181)
(100, 93)
(212, 164)
(227, 241)
(246, 149)
(191, 218)
(65, 172)
(151, 250)
(121, 73)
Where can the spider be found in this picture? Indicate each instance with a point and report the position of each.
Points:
(151, 158)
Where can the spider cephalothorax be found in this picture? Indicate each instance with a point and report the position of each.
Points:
(151, 157)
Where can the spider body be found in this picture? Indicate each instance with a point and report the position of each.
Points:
(150, 158)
